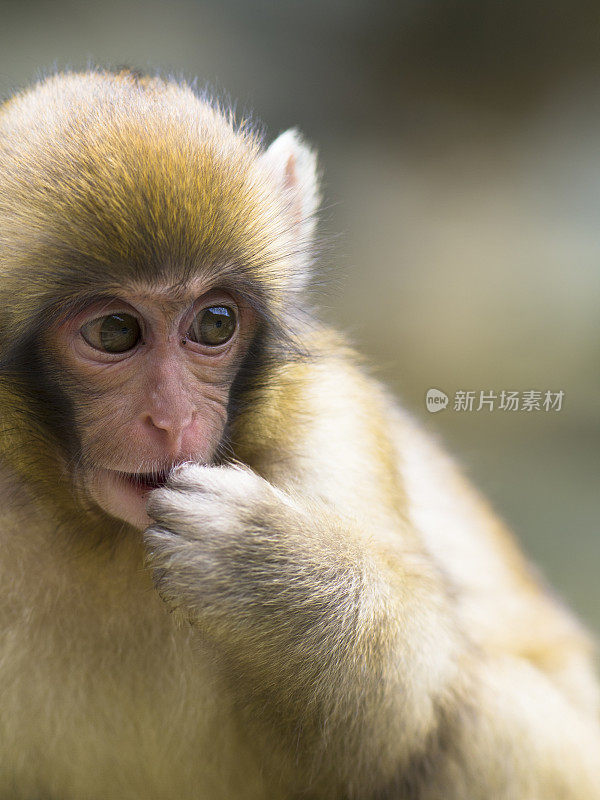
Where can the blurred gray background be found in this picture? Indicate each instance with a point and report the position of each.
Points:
(460, 143)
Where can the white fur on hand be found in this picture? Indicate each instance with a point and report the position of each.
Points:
(218, 539)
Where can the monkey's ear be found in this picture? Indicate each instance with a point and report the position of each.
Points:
(294, 166)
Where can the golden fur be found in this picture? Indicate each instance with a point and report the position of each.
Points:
(326, 611)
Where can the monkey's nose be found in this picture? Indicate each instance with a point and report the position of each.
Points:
(171, 427)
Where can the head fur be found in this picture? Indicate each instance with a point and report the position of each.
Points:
(112, 179)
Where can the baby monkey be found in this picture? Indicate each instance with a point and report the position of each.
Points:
(231, 566)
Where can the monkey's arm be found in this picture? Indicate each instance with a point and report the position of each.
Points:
(340, 638)
(346, 644)
(339, 629)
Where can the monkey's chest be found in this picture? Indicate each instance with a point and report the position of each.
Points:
(117, 702)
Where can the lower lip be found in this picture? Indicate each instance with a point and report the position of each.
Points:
(123, 497)
(140, 487)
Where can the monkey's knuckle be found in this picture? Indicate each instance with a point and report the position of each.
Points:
(179, 510)
(188, 475)
(241, 486)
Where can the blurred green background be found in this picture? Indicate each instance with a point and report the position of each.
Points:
(460, 142)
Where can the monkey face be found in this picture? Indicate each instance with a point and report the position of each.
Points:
(182, 248)
(149, 372)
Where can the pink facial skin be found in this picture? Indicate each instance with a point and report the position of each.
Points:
(159, 403)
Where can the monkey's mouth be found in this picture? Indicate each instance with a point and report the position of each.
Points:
(124, 494)
(145, 481)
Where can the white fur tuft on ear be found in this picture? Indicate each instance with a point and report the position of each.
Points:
(294, 166)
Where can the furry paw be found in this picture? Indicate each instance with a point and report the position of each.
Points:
(216, 539)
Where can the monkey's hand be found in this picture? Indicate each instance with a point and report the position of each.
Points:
(301, 603)
(243, 559)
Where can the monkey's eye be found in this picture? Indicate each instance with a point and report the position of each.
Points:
(213, 326)
(115, 333)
